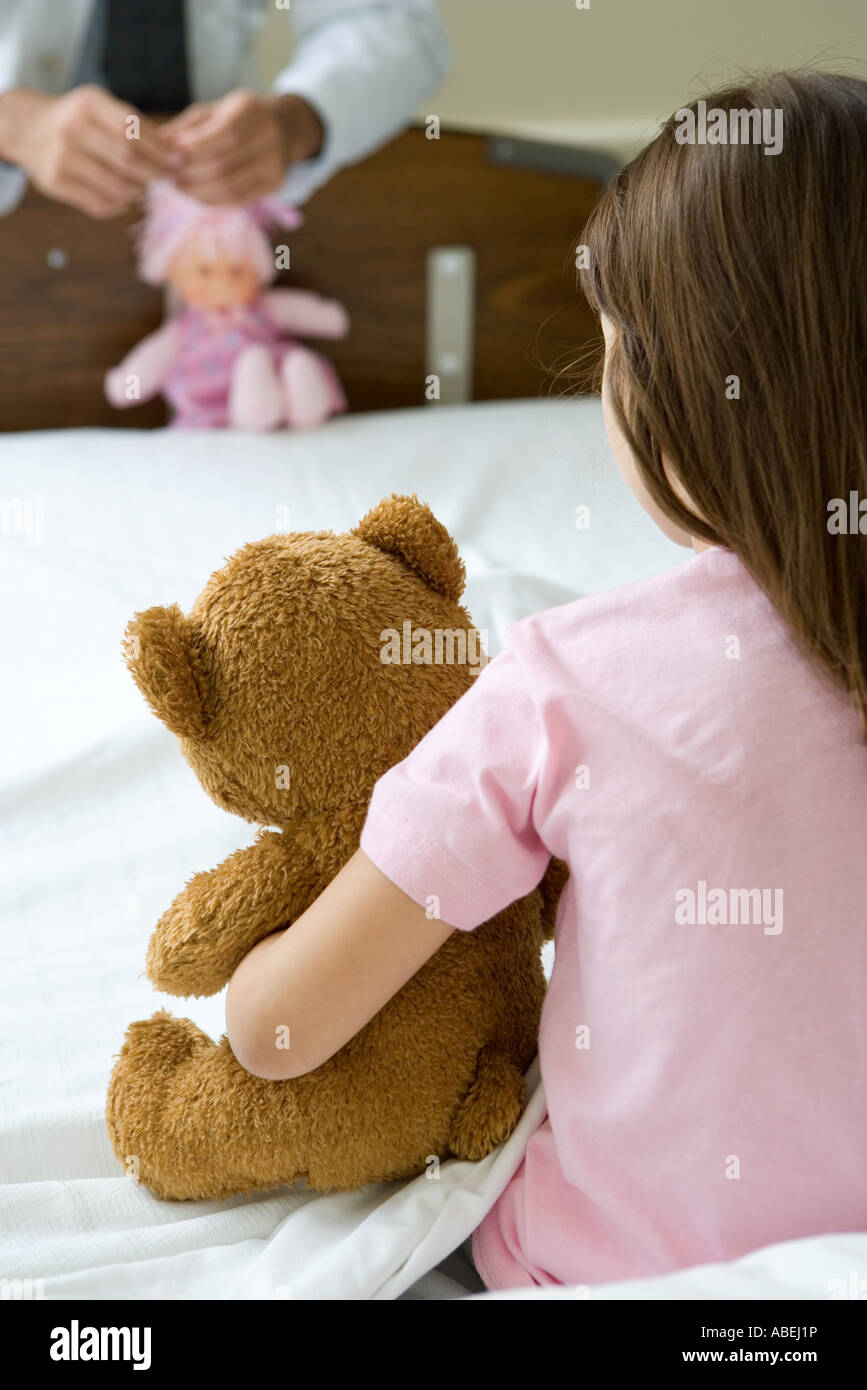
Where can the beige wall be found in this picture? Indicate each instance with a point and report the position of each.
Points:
(605, 76)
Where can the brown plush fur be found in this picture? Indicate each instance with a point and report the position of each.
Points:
(278, 665)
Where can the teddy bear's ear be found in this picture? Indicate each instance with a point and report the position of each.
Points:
(158, 651)
(405, 527)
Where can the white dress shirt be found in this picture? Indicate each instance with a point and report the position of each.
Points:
(363, 65)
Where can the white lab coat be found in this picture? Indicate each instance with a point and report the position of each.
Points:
(365, 65)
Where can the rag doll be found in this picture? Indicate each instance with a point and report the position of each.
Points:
(230, 356)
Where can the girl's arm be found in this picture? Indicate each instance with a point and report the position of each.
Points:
(452, 825)
(327, 975)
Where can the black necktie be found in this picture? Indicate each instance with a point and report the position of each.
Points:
(145, 53)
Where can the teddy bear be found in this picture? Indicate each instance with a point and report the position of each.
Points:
(277, 689)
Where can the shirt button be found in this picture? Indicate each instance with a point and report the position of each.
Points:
(48, 64)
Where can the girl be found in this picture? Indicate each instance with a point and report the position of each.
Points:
(702, 1044)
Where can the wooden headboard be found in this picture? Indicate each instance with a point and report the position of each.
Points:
(71, 305)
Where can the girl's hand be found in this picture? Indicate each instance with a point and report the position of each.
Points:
(239, 148)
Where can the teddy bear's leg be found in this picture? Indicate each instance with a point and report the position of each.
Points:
(308, 388)
(255, 393)
(187, 1121)
(491, 1109)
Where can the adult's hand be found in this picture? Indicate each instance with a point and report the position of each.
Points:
(82, 148)
(240, 148)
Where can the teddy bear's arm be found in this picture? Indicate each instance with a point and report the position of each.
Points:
(302, 312)
(144, 369)
(221, 914)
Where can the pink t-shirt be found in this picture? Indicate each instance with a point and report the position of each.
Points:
(702, 1045)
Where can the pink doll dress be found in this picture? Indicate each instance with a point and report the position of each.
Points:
(197, 386)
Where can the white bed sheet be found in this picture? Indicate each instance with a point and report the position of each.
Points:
(102, 821)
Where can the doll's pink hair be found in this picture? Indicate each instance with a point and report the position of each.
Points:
(173, 219)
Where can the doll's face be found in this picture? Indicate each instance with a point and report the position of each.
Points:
(212, 279)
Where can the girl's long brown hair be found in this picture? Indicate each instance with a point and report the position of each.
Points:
(715, 261)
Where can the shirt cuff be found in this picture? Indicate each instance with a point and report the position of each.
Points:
(13, 182)
(306, 175)
(364, 79)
